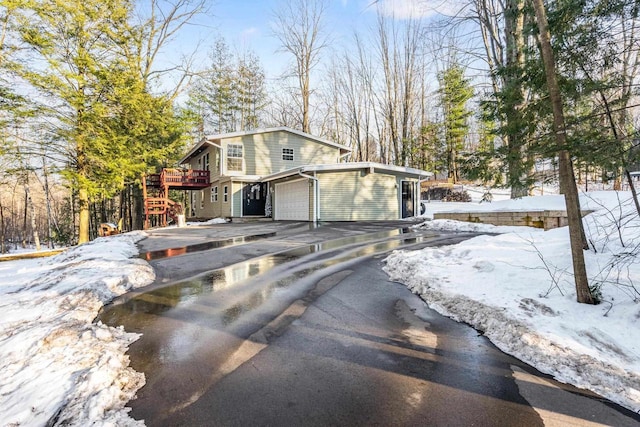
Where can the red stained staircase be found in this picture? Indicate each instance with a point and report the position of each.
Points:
(155, 190)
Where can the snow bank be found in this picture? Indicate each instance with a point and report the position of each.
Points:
(57, 366)
(209, 222)
(518, 289)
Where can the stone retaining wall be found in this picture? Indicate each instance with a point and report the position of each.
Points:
(539, 219)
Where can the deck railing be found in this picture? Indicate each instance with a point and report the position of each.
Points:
(179, 178)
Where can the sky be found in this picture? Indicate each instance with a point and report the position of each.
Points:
(248, 25)
(515, 286)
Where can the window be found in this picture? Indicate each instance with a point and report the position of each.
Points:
(201, 199)
(205, 162)
(287, 154)
(234, 157)
(214, 194)
(225, 194)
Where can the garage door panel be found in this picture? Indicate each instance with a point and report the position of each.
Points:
(292, 201)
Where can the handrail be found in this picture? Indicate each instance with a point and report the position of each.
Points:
(177, 177)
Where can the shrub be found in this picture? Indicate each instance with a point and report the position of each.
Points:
(457, 196)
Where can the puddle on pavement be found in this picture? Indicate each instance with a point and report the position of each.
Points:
(330, 253)
(171, 252)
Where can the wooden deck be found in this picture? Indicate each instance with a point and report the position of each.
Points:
(179, 179)
(155, 188)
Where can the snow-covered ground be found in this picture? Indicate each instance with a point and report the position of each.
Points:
(57, 366)
(517, 287)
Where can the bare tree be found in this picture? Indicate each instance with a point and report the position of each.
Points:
(502, 26)
(399, 50)
(155, 30)
(300, 28)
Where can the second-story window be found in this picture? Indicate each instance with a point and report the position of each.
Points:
(287, 154)
(205, 162)
(234, 157)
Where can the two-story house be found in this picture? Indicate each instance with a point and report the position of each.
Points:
(304, 177)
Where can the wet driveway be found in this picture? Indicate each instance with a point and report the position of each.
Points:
(293, 324)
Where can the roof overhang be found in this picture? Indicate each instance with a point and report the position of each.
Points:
(339, 167)
(198, 148)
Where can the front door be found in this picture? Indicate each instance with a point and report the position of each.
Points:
(407, 199)
(254, 197)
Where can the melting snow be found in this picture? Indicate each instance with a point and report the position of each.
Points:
(518, 289)
(57, 366)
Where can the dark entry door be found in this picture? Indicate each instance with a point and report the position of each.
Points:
(253, 199)
(407, 199)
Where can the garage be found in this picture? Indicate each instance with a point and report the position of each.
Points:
(292, 200)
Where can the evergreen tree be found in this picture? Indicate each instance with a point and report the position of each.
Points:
(251, 95)
(455, 91)
(85, 64)
(71, 47)
(230, 95)
(481, 163)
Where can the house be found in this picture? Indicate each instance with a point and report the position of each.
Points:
(303, 177)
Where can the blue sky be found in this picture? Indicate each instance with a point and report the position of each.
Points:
(247, 24)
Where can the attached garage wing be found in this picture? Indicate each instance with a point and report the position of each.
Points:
(292, 201)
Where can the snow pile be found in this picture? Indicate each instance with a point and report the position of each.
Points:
(536, 203)
(57, 366)
(518, 289)
(467, 227)
(209, 222)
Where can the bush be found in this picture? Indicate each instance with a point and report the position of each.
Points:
(457, 196)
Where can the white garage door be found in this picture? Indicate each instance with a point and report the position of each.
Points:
(292, 201)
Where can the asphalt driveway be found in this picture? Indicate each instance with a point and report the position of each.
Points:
(295, 324)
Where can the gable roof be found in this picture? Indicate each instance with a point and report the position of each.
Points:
(214, 140)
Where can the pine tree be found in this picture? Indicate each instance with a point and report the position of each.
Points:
(455, 91)
(94, 94)
(230, 95)
(71, 43)
(250, 91)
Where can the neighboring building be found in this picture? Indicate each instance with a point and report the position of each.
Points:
(304, 177)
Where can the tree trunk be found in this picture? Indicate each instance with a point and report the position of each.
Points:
(516, 139)
(3, 248)
(83, 216)
(47, 201)
(632, 187)
(567, 179)
(32, 214)
(24, 220)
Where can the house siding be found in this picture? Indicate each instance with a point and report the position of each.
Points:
(208, 211)
(358, 195)
(262, 153)
(214, 161)
(236, 188)
(225, 208)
